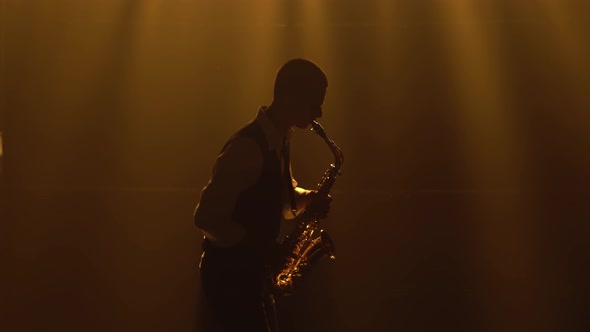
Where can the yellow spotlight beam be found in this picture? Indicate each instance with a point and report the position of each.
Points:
(505, 260)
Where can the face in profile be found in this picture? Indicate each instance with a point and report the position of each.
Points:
(308, 106)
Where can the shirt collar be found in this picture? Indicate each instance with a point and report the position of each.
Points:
(270, 132)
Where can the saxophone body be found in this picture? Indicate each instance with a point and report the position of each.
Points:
(307, 243)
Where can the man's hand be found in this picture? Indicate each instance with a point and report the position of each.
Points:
(319, 205)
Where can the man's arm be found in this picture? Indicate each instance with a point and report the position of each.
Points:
(236, 168)
(307, 199)
(302, 199)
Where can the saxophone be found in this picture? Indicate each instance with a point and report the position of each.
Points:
(301, 247)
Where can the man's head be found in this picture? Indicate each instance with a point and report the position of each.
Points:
(300, 87)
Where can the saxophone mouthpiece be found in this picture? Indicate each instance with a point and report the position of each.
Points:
(317, 128)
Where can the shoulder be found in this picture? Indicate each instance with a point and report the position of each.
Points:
(241, 146)
(240, 154)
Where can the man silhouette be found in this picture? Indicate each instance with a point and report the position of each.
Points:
(250, 192)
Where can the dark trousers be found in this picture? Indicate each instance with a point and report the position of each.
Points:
(232, 282)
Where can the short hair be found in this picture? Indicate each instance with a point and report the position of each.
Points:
(298, 76)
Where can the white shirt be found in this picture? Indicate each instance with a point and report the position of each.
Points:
(237, 168)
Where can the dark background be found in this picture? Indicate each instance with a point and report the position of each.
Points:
(463, 200)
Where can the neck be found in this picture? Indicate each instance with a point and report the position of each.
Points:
(276, 113)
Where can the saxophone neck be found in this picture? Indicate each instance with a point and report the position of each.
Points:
(338, 155)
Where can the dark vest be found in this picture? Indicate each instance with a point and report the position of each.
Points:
(258, 209)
